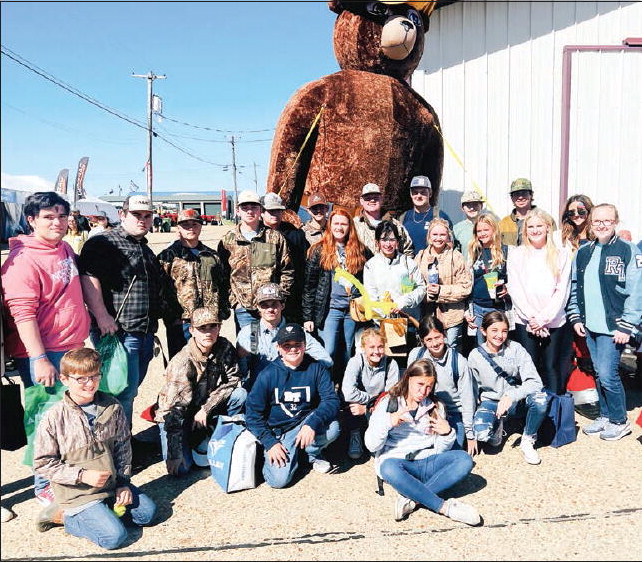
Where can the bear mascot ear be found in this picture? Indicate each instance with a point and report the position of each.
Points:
(335, 6)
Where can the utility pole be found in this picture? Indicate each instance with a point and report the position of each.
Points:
(255, 170)
(232, 142)
(150, 77)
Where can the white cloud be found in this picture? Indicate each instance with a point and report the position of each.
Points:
(25, 183)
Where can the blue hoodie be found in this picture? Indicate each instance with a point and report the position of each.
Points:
(282, 397)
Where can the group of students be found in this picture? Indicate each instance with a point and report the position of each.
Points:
(422, 413)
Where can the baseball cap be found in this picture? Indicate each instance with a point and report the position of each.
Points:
(521, 184)
(471, 197)
(204, 316)
(290, 332)
(420, 182)
(269, 292)
(272, 202)
(139, 203)
(370, 189)
(188, 215)
(248, 197)
(317, 199)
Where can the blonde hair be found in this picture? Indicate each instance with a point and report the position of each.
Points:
(371, 333)
(475, 248)
(552, 252)
(81, 361)
(609, 205)
(440, 222)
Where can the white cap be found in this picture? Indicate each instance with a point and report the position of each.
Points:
(370, 189)
(420, 182)
(248, 197)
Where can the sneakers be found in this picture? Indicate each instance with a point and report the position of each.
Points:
(403, 507)
(355, 445)
(6, 515)
(49, 517)
(321, 465)
(496, 438)
(461, 512)
(615, 431)
(528, 451)
(46, 496)
(596, 426)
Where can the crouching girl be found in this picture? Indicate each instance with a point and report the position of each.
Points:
(368, 374)
(508, 383)
(409, 433)
(454, 387)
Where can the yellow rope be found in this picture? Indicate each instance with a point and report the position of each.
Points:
(460, 163)
(306, 140)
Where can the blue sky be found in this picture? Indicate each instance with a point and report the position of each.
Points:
(229, 65)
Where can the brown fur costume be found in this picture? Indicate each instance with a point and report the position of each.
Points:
(374, 127)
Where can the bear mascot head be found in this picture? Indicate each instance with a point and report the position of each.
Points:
(363, 124)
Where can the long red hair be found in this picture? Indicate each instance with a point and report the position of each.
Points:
(354, 249)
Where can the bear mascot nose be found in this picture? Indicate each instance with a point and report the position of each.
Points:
(398, 38)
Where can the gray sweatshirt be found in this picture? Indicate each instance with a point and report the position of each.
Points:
(515, 361)
(457, 398)
(361, 382)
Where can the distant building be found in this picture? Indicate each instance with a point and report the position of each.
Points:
(546, 90)
(207, 203)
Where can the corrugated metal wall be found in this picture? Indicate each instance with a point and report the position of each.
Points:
(493, 72)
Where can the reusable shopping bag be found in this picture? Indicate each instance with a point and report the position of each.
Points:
(558, 428)
(13, 414)
(232, 451)
(38, 400)
(113, 364)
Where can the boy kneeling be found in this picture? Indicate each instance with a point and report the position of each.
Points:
(83, 447)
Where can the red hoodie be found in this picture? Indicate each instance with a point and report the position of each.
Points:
(40, 281)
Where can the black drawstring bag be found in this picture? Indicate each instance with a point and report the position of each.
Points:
(12, 429)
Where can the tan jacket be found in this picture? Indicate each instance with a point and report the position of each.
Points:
(455, 280)
(251, 264)
(65, 444)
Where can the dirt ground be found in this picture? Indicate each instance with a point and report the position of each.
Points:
(583, 503)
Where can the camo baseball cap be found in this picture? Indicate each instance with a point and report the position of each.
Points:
(204, 316)
(188, 215)
(269, 292)
(520, 184)
(471, 196)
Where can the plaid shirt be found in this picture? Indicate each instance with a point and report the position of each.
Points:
(114, 258)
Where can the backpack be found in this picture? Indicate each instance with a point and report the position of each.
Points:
(454, 363)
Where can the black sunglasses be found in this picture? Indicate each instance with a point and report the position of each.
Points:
(576, 213)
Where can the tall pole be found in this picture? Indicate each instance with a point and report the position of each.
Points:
(150, 77)
(255, 170)
(232, 142)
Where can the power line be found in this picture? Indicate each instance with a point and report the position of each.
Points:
(214, 128)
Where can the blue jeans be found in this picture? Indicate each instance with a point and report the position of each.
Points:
(454, 335)
(279, 477)
(177, 336)
(456, 422)
(243, 317)
(338, 323)
(234, 406)
(99, 524)
(479, 313)
(25, 367)
(422, 479)
(535, 408)
(605, 355)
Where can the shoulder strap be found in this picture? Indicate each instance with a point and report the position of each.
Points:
(254, 336)
(496, 367)
(455, 373)
(419, 355)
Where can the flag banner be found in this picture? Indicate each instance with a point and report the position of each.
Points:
(61, 181)
(79, 190)
(224, 203)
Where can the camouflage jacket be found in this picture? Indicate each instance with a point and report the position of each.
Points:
(200, 281)
(313, 231)
(194, 380)
(251, 264)
(367, 234)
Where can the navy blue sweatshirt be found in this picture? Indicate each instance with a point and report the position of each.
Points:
(281, 398)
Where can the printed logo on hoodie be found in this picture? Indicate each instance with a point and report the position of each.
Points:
(66, 272)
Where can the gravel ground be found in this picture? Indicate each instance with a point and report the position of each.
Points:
(584, 503)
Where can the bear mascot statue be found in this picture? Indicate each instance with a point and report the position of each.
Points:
(364, 123)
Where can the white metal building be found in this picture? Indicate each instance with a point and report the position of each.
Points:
(549, 91)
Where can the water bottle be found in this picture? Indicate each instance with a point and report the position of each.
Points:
(432, 273)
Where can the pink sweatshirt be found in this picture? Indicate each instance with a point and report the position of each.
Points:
(534, 290)
(40, 281)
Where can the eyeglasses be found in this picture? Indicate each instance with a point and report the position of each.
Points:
(581, 212)
(604, 223)
(85, 379)
(372, 197)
